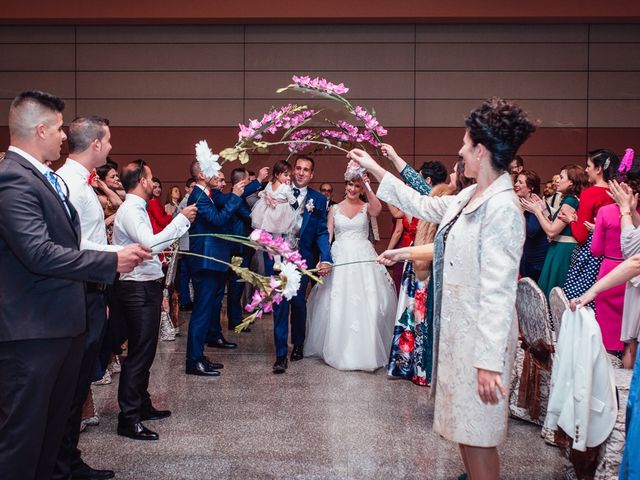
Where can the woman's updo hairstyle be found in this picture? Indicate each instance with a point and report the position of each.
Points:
(607, 160)
(500, 126)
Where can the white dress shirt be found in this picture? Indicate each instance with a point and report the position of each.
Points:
(184, 240)
(132, 225)
(92, 227)
(300, 210)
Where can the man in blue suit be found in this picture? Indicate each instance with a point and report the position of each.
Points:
(311, 238)
(208, 276)
(240, 224)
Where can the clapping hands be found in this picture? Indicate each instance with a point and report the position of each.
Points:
(533, 204)
(623, 196)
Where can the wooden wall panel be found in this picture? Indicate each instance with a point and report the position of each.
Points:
(159, 57)
(529, 85)
(29, 57)
(160, 85)
(549, 113)
(165, 113)
(614, 56)
(109, 34)
(511, 33)
(11, 83)
(501, 56)
(305, 34)
(330, 56)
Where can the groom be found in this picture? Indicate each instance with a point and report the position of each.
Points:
(311, 238)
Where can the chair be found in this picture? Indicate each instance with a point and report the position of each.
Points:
(558, 303)
(532, 368)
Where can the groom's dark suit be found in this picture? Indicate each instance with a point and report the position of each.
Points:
(313, 245)
(42, 316)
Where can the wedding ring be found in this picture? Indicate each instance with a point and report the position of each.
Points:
(578, 301)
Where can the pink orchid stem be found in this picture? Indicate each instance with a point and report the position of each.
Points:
(286, 142)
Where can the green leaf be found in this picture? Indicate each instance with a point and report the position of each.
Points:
(244, 157)
(230, 154)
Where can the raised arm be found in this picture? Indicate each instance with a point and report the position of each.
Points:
(393, 191)
(619, 275)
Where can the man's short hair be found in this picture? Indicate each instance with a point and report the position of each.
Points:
(189, 181)
(194, 169)
(132, 173)
(29, 109)
(237, 174)
(307, 158)
(84, 130)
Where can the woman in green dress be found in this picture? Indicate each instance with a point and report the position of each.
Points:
(571, 182)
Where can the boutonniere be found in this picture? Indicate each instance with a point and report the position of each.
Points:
(310, 206)
(92, 177)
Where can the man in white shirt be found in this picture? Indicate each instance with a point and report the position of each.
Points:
(89, 144)
(138, 298)
(184, 273)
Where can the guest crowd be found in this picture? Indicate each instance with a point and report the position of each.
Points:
(102, 259)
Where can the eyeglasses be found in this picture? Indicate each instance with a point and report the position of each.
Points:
(326, 190)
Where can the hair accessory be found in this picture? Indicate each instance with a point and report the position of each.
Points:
(627, 161)
(354, 171)
(606, 164)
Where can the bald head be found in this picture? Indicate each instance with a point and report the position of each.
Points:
(30, 109)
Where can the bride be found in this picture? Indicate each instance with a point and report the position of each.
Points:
(351, 316)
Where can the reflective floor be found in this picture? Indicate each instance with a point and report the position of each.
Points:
(313, 422)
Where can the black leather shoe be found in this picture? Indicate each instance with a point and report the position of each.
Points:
(136, 431)
(296, 353)
(221, 343)
(280, 365)
(212, 365)
(153, 414)
(201, 369)
(85, 472)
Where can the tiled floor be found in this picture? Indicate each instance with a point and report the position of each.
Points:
(313, 422)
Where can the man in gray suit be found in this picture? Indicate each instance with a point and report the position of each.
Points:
(42, 290)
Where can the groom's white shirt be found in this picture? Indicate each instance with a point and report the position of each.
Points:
(300, 210)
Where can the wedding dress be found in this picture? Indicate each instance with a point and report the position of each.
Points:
(351, 316)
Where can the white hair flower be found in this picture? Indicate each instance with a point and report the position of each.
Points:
(291, 279)
(207, 160)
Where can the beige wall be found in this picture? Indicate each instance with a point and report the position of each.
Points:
(164, 87)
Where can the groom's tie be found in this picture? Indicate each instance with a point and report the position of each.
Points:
(296, 194)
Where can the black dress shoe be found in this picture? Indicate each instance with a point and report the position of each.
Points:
(296, 353)
(280, 365)
(221, 343)
(152, 413)
(85, 472)
(136, 431)
(212, 365)
(201, 369)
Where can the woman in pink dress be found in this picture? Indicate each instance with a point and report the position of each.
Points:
(609, 304)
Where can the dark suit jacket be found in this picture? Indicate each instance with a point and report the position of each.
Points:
(42, 291)
(313, 242)
(210, 219)
(240, 222)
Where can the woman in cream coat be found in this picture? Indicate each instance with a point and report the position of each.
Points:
(477, 254)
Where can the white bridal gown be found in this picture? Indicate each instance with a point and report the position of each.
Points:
(351, 316)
